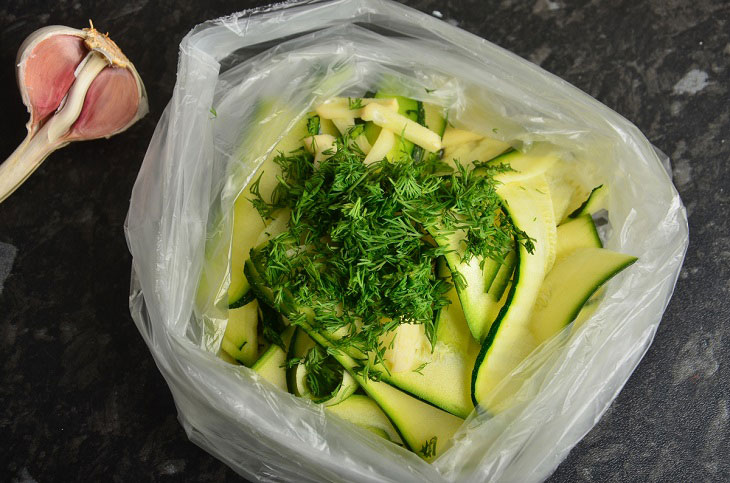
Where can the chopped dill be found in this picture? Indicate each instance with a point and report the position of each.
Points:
(354, 103)
(420, 368)
(359, 252)
(429, 447)
(324, 373)
(313, 125)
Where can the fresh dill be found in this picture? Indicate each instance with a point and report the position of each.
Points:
(313, 125)
(324, 373)
(359, 251)
(429, 447)
(262, 207)
(355, 103)
(420, 368)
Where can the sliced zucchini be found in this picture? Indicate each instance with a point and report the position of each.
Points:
(473, 294)
(482, 150)
(443, 377)
(364, 412)
(455, 137)
(504, 275)
(576, 233)
(271, 364)
(526, 165)
(434, 118)
(406, 107)
(409, 129)
(440, 376)
(424, 428)
(480, 306)
(326, 126)
(509, 339)
(566, 187)
(247, 224)
(570, 284)
(596, 201)
(298, 349)
(298, 380)
(240, 339)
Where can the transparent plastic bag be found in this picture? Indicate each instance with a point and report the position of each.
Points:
(203, 153)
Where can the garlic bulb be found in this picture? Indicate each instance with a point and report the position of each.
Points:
(77, 85)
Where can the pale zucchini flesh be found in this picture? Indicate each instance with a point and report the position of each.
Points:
(364, 412)
(482, 150)
(576, 233)
(570, 284)
(509, 339)
(443, 375)
(296, 376)
(270, 365)
(424, 428)
(240, 339)
(247, 224)
(595, 202)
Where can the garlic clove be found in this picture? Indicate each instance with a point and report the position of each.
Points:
(77, 85)
(46, 63)
(111, 105)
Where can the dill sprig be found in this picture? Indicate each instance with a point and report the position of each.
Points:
(359, 251)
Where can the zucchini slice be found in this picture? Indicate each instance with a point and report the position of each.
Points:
(364, 412)
(476, 302)
(482, 305)
(297, 376)
(527, 165)
(271, 364)
(509, 339)
(596, 201)
(247, 224)
(424, 428)
(240, 339)
(504, 275)
(482, 150)
(442, 376)
(570, 284)
(567, 188)
(577, 233)
(406, 107)
(434, 118)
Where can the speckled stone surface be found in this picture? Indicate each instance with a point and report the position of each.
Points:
(80, 396)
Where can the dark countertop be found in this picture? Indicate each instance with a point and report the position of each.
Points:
(80, 396)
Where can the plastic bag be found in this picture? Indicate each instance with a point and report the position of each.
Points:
(203, 152)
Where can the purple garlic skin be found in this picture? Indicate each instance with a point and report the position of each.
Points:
(77, 85)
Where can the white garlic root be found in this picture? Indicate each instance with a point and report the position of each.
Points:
(77, 85)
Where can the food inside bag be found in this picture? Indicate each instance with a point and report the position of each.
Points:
(369, 246)
(403, 264)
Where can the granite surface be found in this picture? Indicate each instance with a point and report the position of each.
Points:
(80, 396)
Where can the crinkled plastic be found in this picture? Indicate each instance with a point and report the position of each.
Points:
(215, 133)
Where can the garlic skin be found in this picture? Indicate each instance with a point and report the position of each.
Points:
(77, 85)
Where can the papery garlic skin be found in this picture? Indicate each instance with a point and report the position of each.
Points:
(77, 85)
